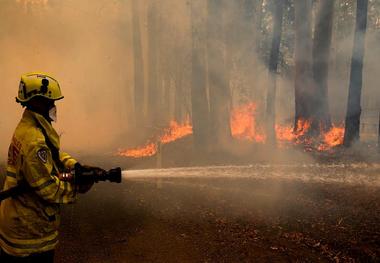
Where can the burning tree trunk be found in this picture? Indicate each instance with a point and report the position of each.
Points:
(303, 85)
(217, 74)
(199, 103)
(138, 66)
(321, 54)
(356, 77)
(273, 65)
(153, 85)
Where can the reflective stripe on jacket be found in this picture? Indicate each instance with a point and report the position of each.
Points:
(29, 222)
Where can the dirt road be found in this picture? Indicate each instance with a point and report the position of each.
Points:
(259, 213)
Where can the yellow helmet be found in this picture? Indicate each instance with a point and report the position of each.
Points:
(38, 84)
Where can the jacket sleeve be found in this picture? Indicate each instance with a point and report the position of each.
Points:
(40, 175)
(67, 160)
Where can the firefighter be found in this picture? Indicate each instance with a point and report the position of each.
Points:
(29, 222)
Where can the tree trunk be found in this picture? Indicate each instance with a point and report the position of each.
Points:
(247, 58)
(356, 76)
(321, 55)
(217, 75)
(138, 66)
(258, 23)
(273, 65)
(153, 85)
(166, 102)
(179, 94)
(304, 88)
(199, 103)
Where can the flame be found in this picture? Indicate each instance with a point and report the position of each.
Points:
(244, 126)
(147, 150)
(332, 138)
(287, 134)
(174, 132)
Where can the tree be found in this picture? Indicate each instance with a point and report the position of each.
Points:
(199, 103)
(321, 54)
(278, 9)
(153, 52)
(220, 98)
(303, 84)
(138, 66)
(352, 122)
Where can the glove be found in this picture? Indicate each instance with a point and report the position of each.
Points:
(94, 169)
(66, 176)
(84, 188)
(84, 183)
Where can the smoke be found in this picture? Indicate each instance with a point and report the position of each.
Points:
(85, 45)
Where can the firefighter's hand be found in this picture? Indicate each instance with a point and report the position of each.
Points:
(88, 168)
(84, 188)
(66, 176)
(85, 184)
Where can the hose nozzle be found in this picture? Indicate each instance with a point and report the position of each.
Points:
(84, 174)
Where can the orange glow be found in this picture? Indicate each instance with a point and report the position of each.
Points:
(147, 150)
(174, 132)
(243, 124)
(332, 138)
(287, 133)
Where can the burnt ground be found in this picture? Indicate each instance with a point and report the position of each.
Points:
(259, 213)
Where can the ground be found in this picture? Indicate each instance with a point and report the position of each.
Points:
(252, 213)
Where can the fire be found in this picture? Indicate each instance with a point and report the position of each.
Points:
(327, 140)
(148, 150)
(174, 132)
(332, 138)
(287, 133)
(244, 126)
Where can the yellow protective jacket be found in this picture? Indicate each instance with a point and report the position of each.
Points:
(29, 222)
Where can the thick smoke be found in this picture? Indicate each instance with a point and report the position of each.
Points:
(86, 46)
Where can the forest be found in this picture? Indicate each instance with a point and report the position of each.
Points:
(245, 130)
(277, 73)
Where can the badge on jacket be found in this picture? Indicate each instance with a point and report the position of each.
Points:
(42, 155)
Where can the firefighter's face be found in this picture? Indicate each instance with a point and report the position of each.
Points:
(42, 106)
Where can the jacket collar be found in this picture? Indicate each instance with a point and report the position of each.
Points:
(44, 124)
